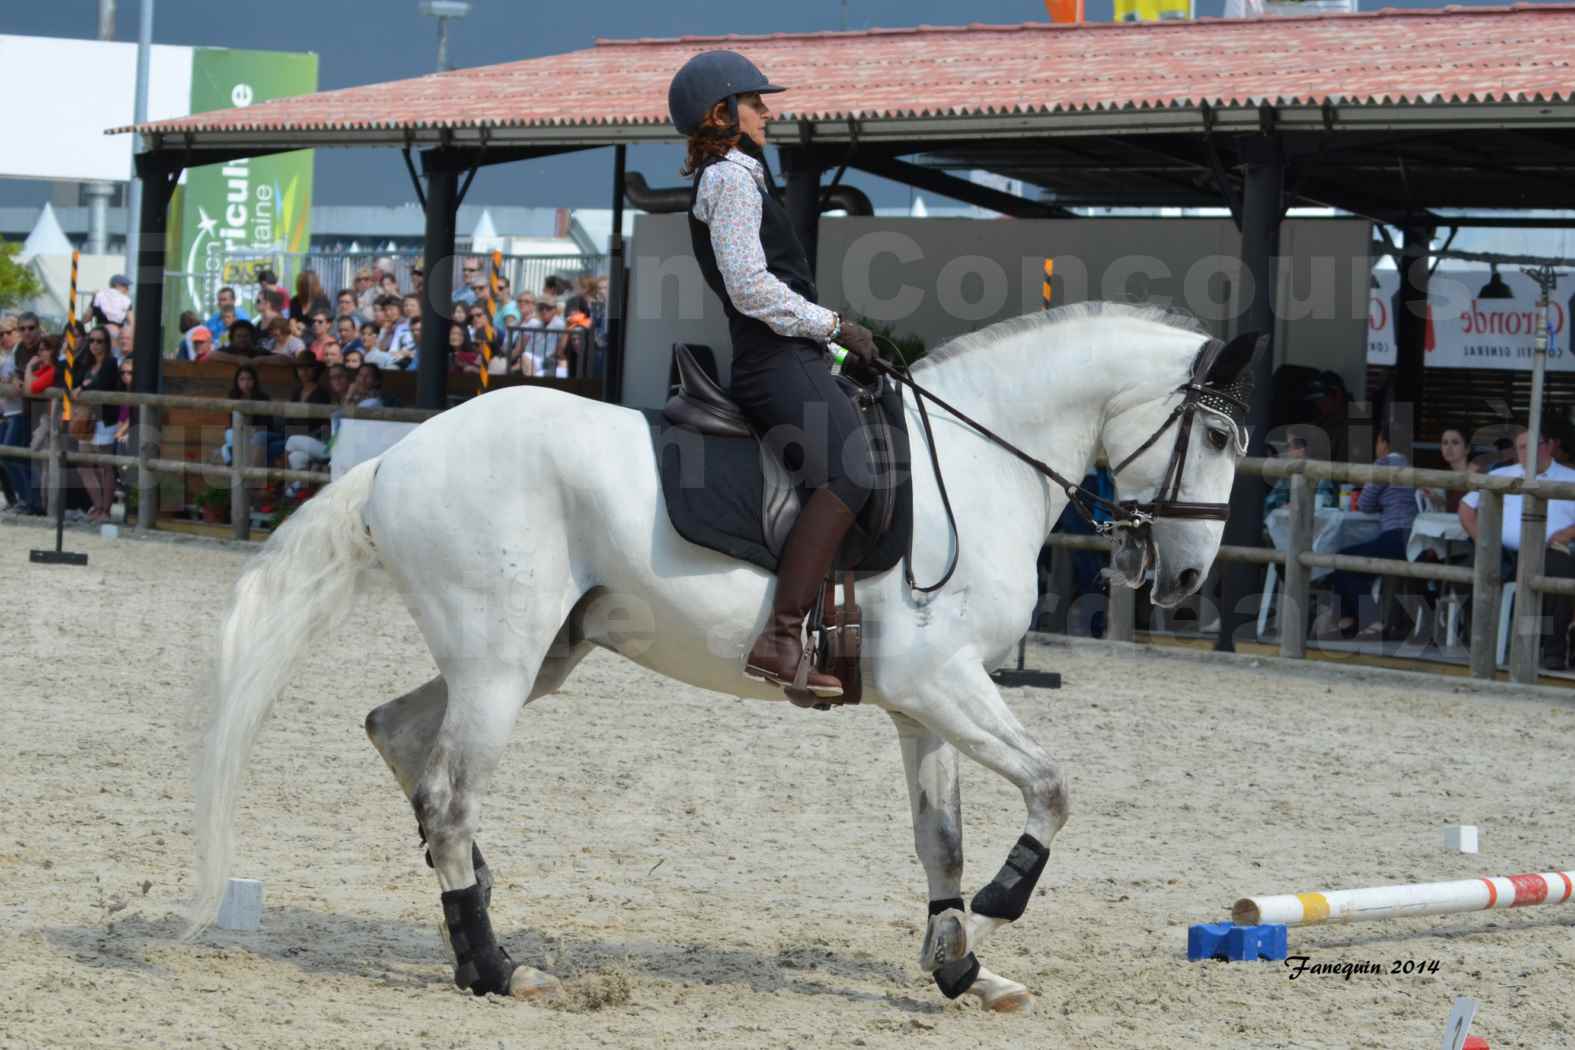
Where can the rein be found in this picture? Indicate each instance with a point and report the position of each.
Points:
(1124, 514)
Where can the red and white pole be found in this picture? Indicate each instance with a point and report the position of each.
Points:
(1398, 902)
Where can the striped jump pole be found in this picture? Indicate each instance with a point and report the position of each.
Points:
(1399, 902)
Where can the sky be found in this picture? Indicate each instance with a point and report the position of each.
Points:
(369, 41)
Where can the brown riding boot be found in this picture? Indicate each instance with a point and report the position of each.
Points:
(806, 558)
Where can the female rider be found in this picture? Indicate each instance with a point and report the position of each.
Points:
(751, 257)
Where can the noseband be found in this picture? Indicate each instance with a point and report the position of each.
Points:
(1128, 518)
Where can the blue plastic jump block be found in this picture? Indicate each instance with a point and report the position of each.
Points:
(1232, 943)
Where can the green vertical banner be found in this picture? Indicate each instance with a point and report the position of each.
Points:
(248, 214)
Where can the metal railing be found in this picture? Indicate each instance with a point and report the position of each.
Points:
(1297, 561)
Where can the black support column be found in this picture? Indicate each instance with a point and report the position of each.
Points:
(147, 352)
(801, 171)
(1263, 205)
(612, 382)
(1410, 341)
(442, 172)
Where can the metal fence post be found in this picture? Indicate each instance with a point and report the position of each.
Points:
(1526, 647)
(1298, 578)
(57, 460)
(240, 456)
(1485, 583)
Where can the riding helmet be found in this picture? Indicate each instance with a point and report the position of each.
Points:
(707, 79)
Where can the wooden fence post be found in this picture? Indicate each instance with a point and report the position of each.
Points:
(147, 431)
(1485, 584)
(240, 457)
(1298, 578)
(1525, 652)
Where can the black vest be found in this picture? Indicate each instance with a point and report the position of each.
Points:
(785, 259)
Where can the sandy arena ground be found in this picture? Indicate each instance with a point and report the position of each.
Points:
(702, 870)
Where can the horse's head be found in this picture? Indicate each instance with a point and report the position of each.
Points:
(1175, 458)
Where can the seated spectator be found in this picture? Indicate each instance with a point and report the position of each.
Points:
(418, 279)
(322, 333)
(309, 297)
(267, 435)
(270, 304)
(1325, 494)
(243, 348)
(279, 342)
(367, 293)
(345, 306)
(219, 324)
(1557, 561)
(507, 314)
(389, 286)
(125, 419)
(355, 359)
(305, 451)
(347, 333)
(333, 353)
(14, 361)
(391, 316)
(1396, 506)
(1456, 451)
(470, 275)
(338, 384)
(463, 356)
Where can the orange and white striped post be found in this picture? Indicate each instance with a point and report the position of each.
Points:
(71, 339)
(496, 264)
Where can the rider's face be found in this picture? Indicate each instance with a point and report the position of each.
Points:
(752, 116)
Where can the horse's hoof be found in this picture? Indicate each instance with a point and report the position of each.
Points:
(945, 940)
(529, 983)
(999, 995)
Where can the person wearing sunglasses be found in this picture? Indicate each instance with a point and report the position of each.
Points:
(97, 370)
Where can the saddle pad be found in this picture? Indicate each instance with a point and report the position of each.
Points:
(714, 490)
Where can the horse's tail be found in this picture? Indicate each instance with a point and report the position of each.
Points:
(297, 589)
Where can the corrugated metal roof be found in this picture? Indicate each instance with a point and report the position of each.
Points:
(1480, 55)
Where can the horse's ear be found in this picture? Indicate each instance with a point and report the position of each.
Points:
(1233, 364)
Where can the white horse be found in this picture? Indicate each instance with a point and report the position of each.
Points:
(525, 527)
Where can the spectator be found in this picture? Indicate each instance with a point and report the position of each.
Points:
(125, 415)
(322, 333)
(463, 355)
(506, 312)
(389, 286)
(270, 304)
(1396, 507)
(345, 306)
(267, 435)
(96, 370)
(554, 287)
(1506, 452)
(1456, 450)
(338, 384)
(333, 353)
(390, 307)
(365, 390)
(309, 297)
(198, 344)
(1325, 494)
(1560, 531)
(346, 333)
(269, 288)
(544, 336)
(354, 360)
(367, 339)
(13, 416)
(32, 335)
(367, 294)
(418, 279)
(112, 305)
(219, 324)
(186, 322)
(470, 273)
(279, 342)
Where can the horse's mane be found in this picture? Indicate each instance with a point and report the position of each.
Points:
(1002, 330)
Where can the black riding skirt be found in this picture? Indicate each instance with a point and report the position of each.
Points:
(788, 391)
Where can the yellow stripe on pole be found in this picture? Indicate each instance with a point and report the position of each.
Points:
(1315, 908)
(1044, 292)
(71, 338)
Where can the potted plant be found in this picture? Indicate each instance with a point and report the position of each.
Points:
(213, 503)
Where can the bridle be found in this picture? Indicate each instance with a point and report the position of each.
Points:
(1130, 519)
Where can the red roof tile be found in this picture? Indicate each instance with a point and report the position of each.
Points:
(1477, 54)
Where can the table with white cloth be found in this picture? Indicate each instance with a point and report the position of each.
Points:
(1436, 532)
(1333, 531)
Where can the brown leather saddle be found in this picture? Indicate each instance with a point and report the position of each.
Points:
(875, 543)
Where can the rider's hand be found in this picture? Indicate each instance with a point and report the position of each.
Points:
(858, 340)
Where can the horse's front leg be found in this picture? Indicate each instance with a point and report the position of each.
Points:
(936, 801)
(960, 704)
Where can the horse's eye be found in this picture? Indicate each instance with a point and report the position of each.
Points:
(1218, 439)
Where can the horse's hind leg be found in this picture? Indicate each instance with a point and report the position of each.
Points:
(961, 705)
(936, 801)
(404, 729)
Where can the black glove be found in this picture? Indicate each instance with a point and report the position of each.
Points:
(858, 341)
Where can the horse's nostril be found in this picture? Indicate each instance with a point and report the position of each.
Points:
(1189, 578)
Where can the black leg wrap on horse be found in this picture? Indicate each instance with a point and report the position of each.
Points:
(1006, 897)
(955, 978)
(936, 907)
(479, 964)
